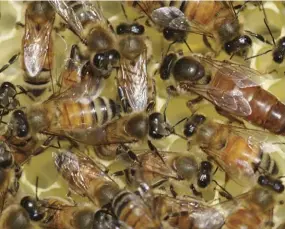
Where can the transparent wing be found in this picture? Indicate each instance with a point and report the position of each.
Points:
(133, 79)
(36, 46)
(242, 75)
(232, 101)
(174, 18)
(75, 19)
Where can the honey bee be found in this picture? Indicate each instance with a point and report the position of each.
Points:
(236, 152)
(86, 178)
(184, 213)
(78, 75)
(253, 211)
(134, 210)
(64, 115)
(229, 86)
(98, 41)
(10, 175)
(37, 46)
(136, 88)
(221, 23)
(14, 217)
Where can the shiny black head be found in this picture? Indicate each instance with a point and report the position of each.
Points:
(238, 45)
(273, 184)
(6, 158)
(279, 51)
(19, 124)
(174, 34)
(7, 94)
(188, 69)
(106, 60)
(167, 65)
(192, 123)
(158, 128)
(134, 29)
(204, 174)
(32, 208)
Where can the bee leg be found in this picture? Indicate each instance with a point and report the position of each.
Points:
(155, 151)
(68, 196)
(123, 99)
(171, 90)
(172, 190)
(207, 43)
(191, 103)
(19, 25)
(24, 91)
(224, 192)
(44, 146)
(10, 62)
(195, 192)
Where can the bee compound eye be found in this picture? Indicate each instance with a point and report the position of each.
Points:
(122, 29)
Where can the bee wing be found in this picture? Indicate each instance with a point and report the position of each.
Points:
(231, 101)
(242, 75)
(71, 18)
(133, 79)
(163, 16)
(174, 18)
(35, 46)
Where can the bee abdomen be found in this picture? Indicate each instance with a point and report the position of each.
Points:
(87, 112)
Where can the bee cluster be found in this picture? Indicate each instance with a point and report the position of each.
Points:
(117, 107)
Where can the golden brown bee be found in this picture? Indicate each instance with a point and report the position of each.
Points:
(14, 217)
(187, 213)
(137, 212)
(252, 210)
(98, 41)
(78, 75)
(238, 153)
(37, 45)
(10, 174)
(210, 18)
(86, 178)
(233, 88)
(136, 88)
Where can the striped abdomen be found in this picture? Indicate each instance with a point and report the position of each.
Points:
(85, 113)
(266, 110)
(130, 209)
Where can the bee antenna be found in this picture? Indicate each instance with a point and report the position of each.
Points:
(149, 17)
(188, 46)
(155, 151)
(37, 184)
(266, 24)
(260, 54)
(124, 11)
(228, 195)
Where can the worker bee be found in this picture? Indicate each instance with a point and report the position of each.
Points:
(221, 23)
(136, 88)
(252, 210)
(236, 152)
(185, 213)
(233, 88)
(86, 178)
(98, 41)
(37, 46)
(57, 213)
(78, 75)
(10, 175)
(14, 217)
(136, 211)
